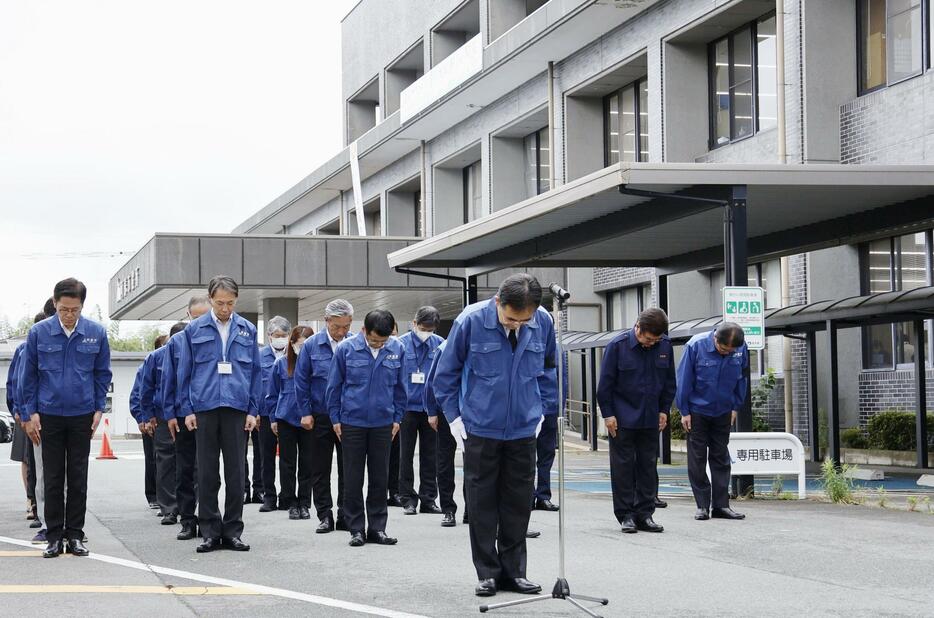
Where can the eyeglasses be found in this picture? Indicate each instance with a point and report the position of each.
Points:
(69, 310)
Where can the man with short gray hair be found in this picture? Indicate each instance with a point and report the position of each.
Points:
(311, 380)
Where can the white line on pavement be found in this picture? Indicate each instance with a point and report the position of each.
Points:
(279, 592)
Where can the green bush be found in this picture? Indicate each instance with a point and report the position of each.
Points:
(893, 430)
(674, 421)
(837, 483)
(853, 437)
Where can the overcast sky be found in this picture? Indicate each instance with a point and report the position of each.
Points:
(121, 118)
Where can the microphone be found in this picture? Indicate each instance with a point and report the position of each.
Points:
(559, 292)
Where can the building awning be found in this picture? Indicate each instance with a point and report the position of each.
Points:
(880, 308)
(591, 221)
(156, 283)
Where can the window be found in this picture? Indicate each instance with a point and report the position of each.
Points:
(893, 43)
(899, 263)
(742, 82)
(626, 123)
(537, 170)
(473, 194)
(625, 305)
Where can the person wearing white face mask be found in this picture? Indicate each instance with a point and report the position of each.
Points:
(264, 439)
(420, 345)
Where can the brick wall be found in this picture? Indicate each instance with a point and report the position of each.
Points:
(890, 390)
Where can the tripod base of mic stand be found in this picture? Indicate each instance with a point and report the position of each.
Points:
(561, 591)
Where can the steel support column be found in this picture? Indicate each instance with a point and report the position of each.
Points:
(664, 438)
(833, 395)
(594, 418)
(813, 398)
(921, 422)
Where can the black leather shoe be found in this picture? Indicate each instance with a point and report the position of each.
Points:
(409, 509)
(268, 507)
(169, 519)
(532, 534)
(380, 538)
(54, 549)
(431, 508)
(628, 525)
(154, 505)
(76, 548)
(188, 532)
(235, 544)
(257, 498)
(726, 513)
(448, 520)
(357, 539)
(340, 524)
(520, 585)
(660, 504)
(648, 525)
(35, 523)
(545, 505)
(208, 545)
(326, 525)
(294, 513)
(486, 588)
(304, 513)
(701, 515)
(394, 501)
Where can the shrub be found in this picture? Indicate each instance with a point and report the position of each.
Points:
(674, 421)
(837, 483)
(893, 430)
(853, 437)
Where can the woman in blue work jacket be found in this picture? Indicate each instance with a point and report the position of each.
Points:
(292, 426)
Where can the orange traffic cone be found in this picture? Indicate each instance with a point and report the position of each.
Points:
(106, 451)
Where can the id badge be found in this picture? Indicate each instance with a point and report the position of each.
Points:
(224, 368)
(418, 378)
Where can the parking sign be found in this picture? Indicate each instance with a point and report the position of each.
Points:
(746, 306)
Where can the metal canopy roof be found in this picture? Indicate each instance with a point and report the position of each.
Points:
(881, 308)
(589, 222)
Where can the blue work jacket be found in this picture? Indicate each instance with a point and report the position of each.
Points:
(12, 381)
(171, 405)
(150, 390)
(65, 376)
(203, 387)
(499, 393)
(267, 358)
(311, 373)
(135, 409)
(709, 383)
(429, 402)
(417, 359)
(636, 383)
(281, 404)
(364, 391)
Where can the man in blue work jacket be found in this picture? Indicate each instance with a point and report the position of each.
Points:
(490, 383)
(366, 399)
(264, 454)
(420, 345)
(153, 412)
(186, 450)
(637, 386)
(311, 381)
(220, 381)
(447, 445)
(712, 387)
(65, 378)
(146, 430)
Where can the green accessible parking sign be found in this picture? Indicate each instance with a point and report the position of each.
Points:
(745, 306)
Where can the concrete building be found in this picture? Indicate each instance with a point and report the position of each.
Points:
(459, 113)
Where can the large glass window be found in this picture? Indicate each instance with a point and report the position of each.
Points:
(899, 263)
(625, 122)
(473, 194)
(892, 41)
(742, 82)
(537, 165)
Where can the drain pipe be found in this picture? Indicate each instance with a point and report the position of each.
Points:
(787, 368)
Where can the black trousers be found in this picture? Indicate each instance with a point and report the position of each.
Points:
(415, 428)
(499, 476)
(220, 432)
(545, 446)
(633, 458)
(366, 449)
(186, 469)
(66, 445)
(295, 458)
(394, 456)
(165, 469)
(447, 446)
(324, 443)
(707, 443)
(30, 470)
(149, 457)
(267, 452)
(257, 464)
